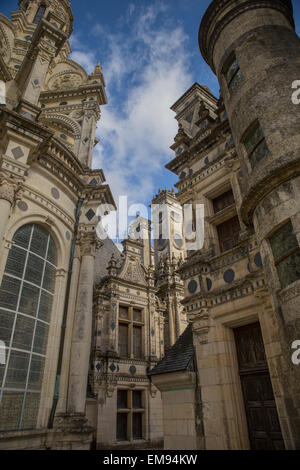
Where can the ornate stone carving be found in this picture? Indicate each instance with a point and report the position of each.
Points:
(5, 49)
(89, 243)
(201, 325)
(10, 191)
(290, 292)
(66, 81)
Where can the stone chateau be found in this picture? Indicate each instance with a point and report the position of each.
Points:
(155, 345)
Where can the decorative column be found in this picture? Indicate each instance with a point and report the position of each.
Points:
(87, 142)
(8, 191)
(82, 330)
(62, 403)
(46, 44)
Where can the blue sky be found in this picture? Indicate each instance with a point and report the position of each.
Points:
(150, 56)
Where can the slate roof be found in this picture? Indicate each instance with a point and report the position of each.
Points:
(179, 356)
(102, 258)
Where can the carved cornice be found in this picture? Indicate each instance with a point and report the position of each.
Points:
(82, 91)
(213, 23)
(289, 292)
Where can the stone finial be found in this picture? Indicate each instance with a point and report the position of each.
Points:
(112, 266)
(98, 69)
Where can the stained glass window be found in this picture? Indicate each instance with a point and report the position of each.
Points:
(255, 144)
(286, 253)
(26, 297)
(233, 74)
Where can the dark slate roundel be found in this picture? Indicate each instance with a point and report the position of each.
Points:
(257, 260)
(192, 287)
(22, 206)
(208, 283)
(229, 276)
(55, 193)
(132, 370)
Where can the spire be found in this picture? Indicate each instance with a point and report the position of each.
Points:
(98, 69)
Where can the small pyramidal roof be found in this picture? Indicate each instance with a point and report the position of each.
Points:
(179, 357)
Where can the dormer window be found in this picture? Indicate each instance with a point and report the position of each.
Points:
(39, 14)
(232, 74)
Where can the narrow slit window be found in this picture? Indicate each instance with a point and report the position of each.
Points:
(39, 14)
(286, 254)
(255, 144)
(233, 74)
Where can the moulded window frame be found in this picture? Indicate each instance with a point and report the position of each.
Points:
(130, 411)
(130, 322)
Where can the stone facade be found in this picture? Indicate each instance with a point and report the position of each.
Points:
(240, 158)
(186, 343)
(48, 199)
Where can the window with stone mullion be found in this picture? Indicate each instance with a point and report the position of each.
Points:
(130, 412)
(130, 332)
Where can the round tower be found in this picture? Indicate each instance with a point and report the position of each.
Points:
(253, 49)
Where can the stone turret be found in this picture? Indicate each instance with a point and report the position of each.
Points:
(253, 49)
(167, 222)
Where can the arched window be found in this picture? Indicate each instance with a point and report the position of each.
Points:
(26, 297)
(39, 14)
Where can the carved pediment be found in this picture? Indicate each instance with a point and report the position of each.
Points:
(65, 81)
(132, 271)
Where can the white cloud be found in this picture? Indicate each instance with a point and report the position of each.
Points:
(86, 59)
(146, 71)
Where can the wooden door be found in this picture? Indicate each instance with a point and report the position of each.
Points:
(263, 423)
